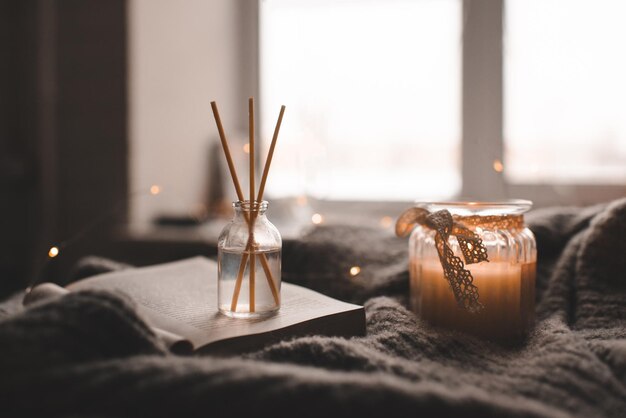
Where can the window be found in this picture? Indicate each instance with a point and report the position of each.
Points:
(399, 99)
(372, 90)
(565, 107)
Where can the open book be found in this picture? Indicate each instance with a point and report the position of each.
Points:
(179, 301)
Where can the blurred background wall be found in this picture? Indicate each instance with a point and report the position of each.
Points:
(63, 124)
(101, 99)
(182, 55)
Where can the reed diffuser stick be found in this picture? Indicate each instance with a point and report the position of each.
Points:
(270, 153)
(238, 190)
(244, 259)
(266, 169)
(252, 261)
(242, 269)
(251, 143)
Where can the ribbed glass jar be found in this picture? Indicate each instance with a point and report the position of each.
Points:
(506, 283)
(249, 263)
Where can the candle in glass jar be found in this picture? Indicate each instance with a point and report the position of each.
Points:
(506, 291)
(489, 255)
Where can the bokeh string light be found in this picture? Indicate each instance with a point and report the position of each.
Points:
(55, 249)
(155, 190)
(317, 218)
(498, 167)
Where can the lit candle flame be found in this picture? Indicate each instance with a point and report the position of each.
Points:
(355, 270)
(155, 189)
(498, 167)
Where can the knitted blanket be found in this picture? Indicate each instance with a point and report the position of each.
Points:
(89, 354)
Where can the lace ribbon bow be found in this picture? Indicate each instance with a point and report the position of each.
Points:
(459, 278)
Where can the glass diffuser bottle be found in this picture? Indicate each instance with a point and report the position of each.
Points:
(504, 280)
(249, 263)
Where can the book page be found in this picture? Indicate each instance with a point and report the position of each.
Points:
(181, 298)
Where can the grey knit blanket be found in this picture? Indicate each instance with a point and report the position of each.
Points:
(89, 354)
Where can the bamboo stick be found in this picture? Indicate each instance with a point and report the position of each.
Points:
(242, 268)
(270, 153)
(252, 262)
(251, 143)
(270, 279)
(266, 169)
(238, 190)
(231, 166)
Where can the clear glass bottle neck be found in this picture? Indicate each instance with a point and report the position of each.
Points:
(244, 209)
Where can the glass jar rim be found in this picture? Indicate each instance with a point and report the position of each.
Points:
(246, 206)
(477, 207)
